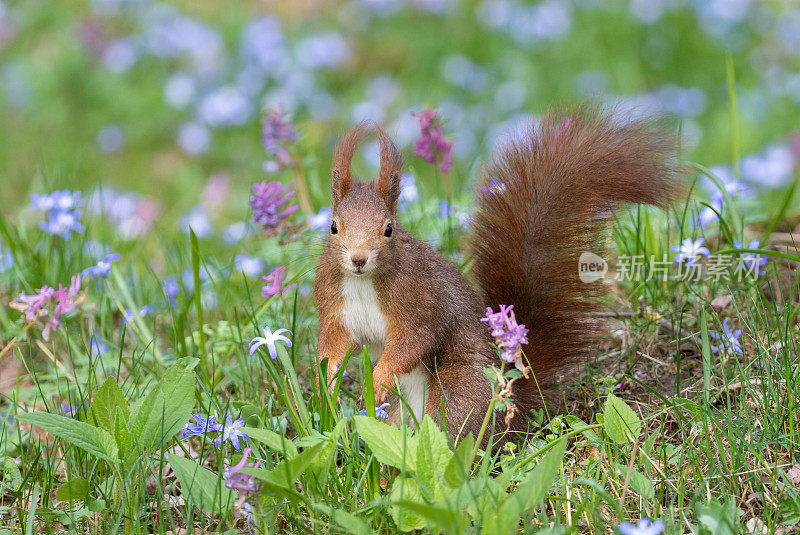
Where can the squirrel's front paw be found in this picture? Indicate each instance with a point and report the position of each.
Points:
(380, 381)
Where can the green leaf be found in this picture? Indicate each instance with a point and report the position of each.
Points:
(89, 438)
(349, 522)
(272, 440)
(122, 435)
(321, 466)
(694, 410)
(717, 518)
(457, 471)
(76, 488)
(637, 481)
(203, 487)
(435, 518)
(12, 478)
(433, 457)
(105, 403)
(621, 424)
(166, 408)
(282, 478)
(531, 490)
(403, 490)
(390, 444)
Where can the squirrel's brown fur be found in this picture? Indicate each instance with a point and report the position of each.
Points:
(545, 198)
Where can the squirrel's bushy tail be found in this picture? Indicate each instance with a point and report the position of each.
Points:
(546, 198)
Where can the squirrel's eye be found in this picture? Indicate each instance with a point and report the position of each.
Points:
(388, 231)
(334, 228)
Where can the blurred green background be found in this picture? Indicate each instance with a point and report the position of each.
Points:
(156, 97)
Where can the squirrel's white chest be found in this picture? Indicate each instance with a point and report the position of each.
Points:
(362, 316)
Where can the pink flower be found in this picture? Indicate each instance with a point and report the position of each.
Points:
(215, 193)
(275, 282)
(431, 146)
(45, 308)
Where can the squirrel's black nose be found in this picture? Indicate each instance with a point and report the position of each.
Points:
(358, 261)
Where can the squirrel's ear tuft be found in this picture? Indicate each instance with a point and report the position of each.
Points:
(341, 178)
(387, 186)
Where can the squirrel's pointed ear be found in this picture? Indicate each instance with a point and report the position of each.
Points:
(387, 186)
(341, 178)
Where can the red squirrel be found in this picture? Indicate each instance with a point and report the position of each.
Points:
(544, 199)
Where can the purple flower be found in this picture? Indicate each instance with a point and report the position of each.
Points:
(689, 250)
(102, 268)
(431, 146)
(234, 479)
(730, 340)
(62, 210)
(380, 412)
(269, 339)
(276, 131)
(68, 410)
(202, 427)
(509, 335)
(643, 527)
(751, 262)
(230, 431)
(268, 202)
(275, 282)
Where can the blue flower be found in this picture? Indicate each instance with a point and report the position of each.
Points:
(62, 210)
(97, 346)
(102, 268)
(689, 251)
(194, 138)
(236, 232)
(142, 312)
(203, 426)
(408, 191)
(320, 220)
(445, 210)
(198, 221)
(249, 265)
(380, 412)
(171, 288)
(643, 527)
(751, 262)
(110, 138)
(231, 432)
(270, 339)
(730, 340)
